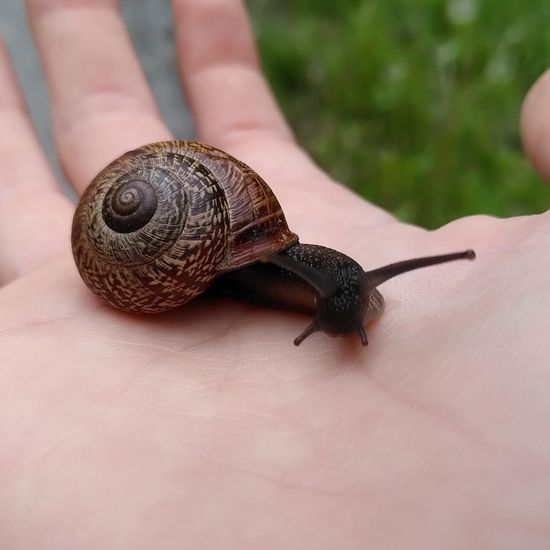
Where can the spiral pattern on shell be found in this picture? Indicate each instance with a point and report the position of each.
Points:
(160, 222)
(129, 206)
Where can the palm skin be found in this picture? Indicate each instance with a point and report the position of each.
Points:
(206, 428)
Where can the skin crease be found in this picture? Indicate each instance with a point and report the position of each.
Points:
(205, 427)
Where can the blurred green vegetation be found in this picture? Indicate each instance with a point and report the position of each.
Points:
(414, 104)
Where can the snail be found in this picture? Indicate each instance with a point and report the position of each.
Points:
(162, 223)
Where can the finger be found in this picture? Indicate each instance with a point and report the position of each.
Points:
(234, 108)
(101, 103)
(535, 125)
(34, 215)
(18, 144)
(226, 90)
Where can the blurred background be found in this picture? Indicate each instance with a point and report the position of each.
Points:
(414, 104)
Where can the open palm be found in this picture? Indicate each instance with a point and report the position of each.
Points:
(205, 427)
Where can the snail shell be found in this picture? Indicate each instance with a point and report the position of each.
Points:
(158, 224)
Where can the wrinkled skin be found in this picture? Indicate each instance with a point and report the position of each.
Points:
(205, 427)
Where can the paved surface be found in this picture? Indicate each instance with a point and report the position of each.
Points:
(150, 24)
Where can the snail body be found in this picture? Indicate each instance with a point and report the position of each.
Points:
(160, 224)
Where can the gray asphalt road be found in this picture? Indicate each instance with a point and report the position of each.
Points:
(150, 23)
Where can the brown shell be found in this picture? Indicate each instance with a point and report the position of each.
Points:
(160, 222)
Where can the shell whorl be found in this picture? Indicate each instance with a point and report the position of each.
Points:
(127, 207)
(160, 222)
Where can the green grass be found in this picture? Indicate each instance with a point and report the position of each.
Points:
(413, 104)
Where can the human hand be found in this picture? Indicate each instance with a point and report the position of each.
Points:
(205, 427)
